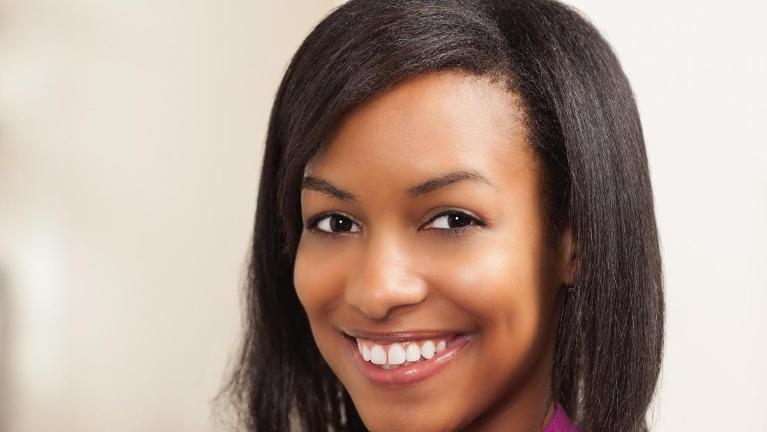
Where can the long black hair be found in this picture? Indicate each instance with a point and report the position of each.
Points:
(582, 121)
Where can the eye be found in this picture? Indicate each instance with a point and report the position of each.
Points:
(333, 223)
(451, 222)
(454, 221)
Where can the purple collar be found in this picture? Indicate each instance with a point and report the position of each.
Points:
(560, 422)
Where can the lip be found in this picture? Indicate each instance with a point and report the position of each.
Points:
(410, 374)
(385, 338)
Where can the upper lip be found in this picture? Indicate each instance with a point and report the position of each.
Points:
(399, 335)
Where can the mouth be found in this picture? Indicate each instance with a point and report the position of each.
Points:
(397, 359)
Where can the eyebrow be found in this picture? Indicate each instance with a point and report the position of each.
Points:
(329, 189)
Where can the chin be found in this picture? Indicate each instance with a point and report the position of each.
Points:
(382, 418)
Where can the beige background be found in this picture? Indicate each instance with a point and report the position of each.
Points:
(130, 144)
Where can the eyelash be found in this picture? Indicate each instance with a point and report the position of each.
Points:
(474, 223)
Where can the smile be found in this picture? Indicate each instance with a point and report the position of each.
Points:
(406, 360)
(395, 355)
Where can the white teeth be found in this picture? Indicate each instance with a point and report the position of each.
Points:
(396, 354)
(377, 355)
(427, 350)
(413, 352)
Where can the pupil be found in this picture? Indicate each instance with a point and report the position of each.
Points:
(339, 223)
(458, 218)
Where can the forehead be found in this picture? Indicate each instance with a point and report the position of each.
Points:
(426, 126)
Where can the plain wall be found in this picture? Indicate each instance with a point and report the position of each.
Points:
(131, 137)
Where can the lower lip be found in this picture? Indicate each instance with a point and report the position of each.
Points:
(408, 374)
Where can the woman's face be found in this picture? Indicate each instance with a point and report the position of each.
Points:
(424, 266)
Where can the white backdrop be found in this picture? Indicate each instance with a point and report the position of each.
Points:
(130, 144)
(131, 136)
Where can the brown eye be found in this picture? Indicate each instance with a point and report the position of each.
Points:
(334, 223)
(453, 220)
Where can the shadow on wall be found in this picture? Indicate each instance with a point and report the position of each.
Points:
(5, 350)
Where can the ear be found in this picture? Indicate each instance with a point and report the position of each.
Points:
(566, 259)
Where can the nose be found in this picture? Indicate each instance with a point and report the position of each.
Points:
(385, 281)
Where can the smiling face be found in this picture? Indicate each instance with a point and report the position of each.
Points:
(424, 223)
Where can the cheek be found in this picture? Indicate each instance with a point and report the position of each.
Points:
(318, 276)
(503, 284)
(494, 280)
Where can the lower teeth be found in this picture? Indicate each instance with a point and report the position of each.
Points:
(391, 366)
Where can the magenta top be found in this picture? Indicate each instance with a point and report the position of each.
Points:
(560, 422)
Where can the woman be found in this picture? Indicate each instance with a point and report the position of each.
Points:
(455, 229)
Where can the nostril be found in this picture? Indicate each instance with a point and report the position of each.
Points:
(378, 301)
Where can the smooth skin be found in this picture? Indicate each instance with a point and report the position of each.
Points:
(390, 263)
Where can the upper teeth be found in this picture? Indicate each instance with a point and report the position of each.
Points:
(396, 354)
